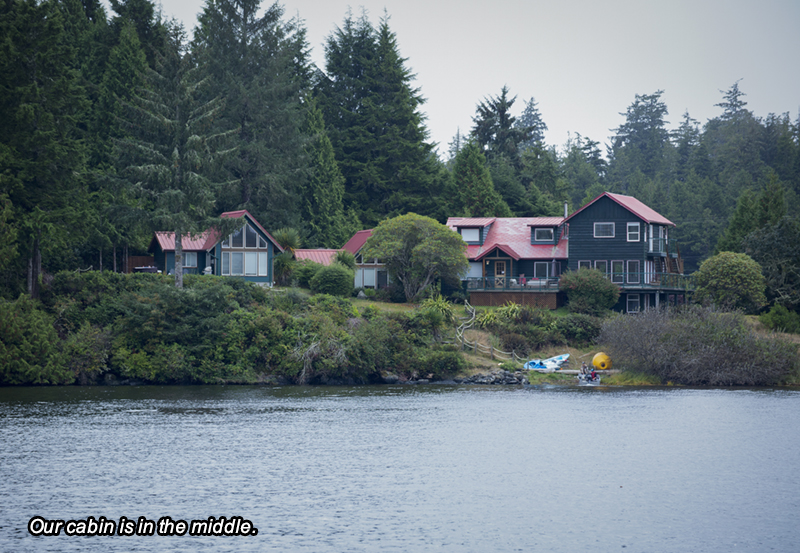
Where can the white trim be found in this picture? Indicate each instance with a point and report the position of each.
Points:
(613, 230)
(584, 262)
(605, 270)
(536, 232)
(617, 277)
(628, 298)
(636, 231)
(634, 274)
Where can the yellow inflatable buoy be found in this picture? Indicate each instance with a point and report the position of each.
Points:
(601, 361)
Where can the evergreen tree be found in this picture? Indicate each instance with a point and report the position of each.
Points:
(473, 190)
(174, 149)
(497, 132)
(259, 64)
(322, 208)
(41, 153)
(531, 124)
(373, 120)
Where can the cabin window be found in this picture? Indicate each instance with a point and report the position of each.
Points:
(540, 270)
(633, 232)
(584, 265)
(251, 263)
(262, 264)
(633, 272)
(618, 272)
(237, 263)
(226, 263)
(604, 230)
(251, 237)
(471, 234)
(237, 239)
(543, 234)
(190, 259)
(601, 266)
(633, 303)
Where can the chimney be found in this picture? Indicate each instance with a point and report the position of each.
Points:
(566, 210)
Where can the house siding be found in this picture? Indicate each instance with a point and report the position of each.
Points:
(583, 246)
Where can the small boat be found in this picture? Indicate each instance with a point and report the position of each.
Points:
(551, 364)
(587, 380)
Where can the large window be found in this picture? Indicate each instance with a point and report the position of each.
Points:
(190, 259)
(601, 266)
(540, 270)
(633, 272)
(248, 261)
(633, 232)
(543, 235)
(633, 303)
(604, 230)
(618, 272)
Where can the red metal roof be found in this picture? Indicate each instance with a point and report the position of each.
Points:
(323, 257)
(471, 221)
(512, 236)
(647, 214)
(208, 239)
(357, 241)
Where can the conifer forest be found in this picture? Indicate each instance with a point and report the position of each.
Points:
(116, 123)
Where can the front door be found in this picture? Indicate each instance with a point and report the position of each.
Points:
(500, 274)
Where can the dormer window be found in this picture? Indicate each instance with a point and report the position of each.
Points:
(543, 235)
(471, 234)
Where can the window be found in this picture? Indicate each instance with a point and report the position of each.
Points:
(604, 230)
(633, 272)
(633, 232)
(471, 234)
(251, 263)
(237, 239)
(633, 303)
(251, 237)
(543, 234)
(262, 264)
(584, 265)
(601, 266)
(190, 259)
(237, 263)
(540, 270)
(226, 263)
(618, 272)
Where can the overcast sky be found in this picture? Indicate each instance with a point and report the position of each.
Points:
(582, 60)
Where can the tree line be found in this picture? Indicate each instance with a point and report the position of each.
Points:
(117, 124)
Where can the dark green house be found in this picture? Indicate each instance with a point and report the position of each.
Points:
(629, 242)
(248, 253)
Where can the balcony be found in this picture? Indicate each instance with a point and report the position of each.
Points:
(626, 281)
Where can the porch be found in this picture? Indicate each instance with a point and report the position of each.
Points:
(626, 281)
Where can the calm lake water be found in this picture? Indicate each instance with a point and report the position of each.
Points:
(407, 469)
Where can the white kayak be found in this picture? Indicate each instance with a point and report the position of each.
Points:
(550, 364)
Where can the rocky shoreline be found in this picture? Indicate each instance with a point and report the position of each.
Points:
(495, 377)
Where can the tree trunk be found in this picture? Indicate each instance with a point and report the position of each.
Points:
(114, 249)
(34, 269)
(178, 260)
(125, 259)
(101, 260)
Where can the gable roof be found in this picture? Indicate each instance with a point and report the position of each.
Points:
(512, 236)
(207, 239)
(471, 221)
(644, 212)
(321, 256)
(357, 241)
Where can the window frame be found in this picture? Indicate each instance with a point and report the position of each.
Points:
(473, 231)
(618, 277)
(637, 232)
(605, 266)
(536, 232)
(638, 302)
(584, 264)
(613, 230)
(546, 269)
(186, 264)
(634, 277)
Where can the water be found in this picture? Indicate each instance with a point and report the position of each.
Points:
(407, 469)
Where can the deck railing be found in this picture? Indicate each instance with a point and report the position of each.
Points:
(641, 280)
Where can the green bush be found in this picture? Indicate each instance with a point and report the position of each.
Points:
(578, 328)
(444, 362)
(29, 345)
(336, 280)
(731, 281)
(86, 352)
(781, 319)
(304, 271)
(337, 308)
(589, 291)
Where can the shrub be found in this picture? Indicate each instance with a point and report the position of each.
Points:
(438, 303)
(781, 319)
(304, 272)
(336, 280)
(589, 291)
(86, 352)
(444, 362)
(516, 343)
(578, 328)
(731, 281)
(698, 346)
(345, 258)
(29, 345)
(337, 308)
